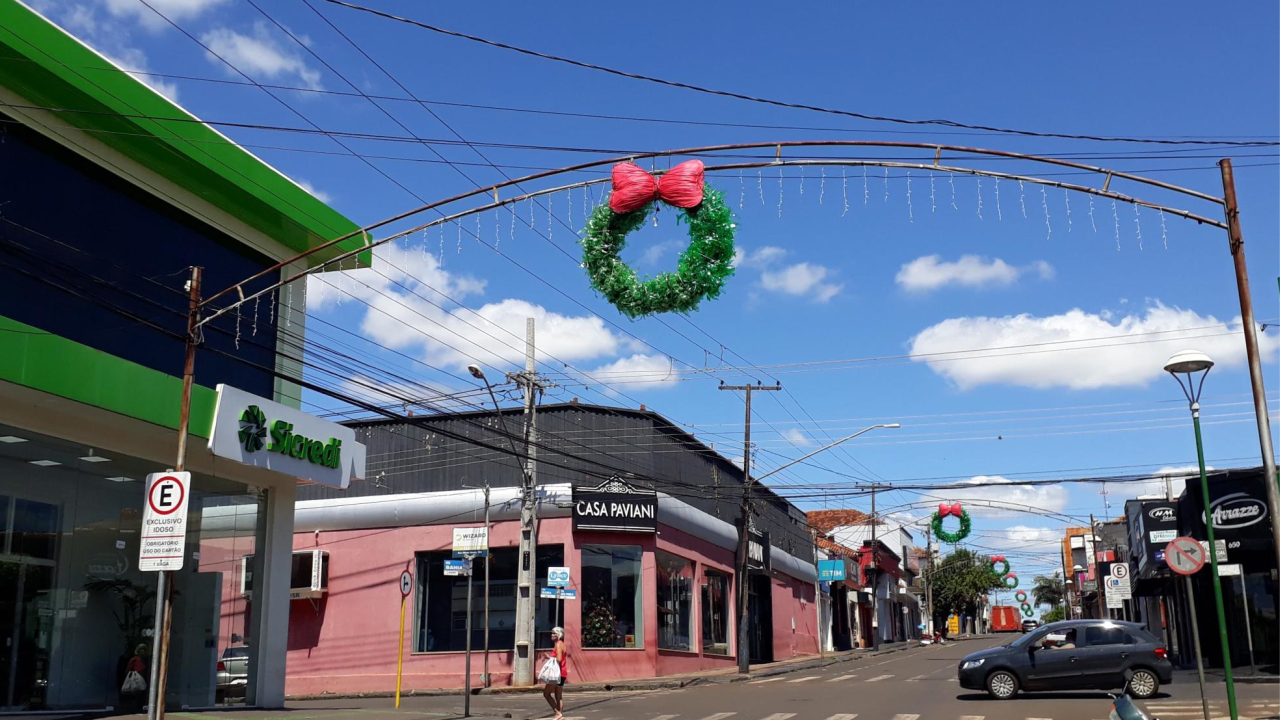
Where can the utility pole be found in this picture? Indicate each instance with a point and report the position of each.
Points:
(164, 588)
(875, 574)
(1236, 239)
(527, 574)
(484, 678)
(744, 626)
(928, 578)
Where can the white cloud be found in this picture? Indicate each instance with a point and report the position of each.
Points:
(405, 292)
(801, 279)
(319, 194)
(995, 496)
(796, 437)
(654, 253)
(108, 36)
(652, 371)
(175, 10)
(1177, 476)
(761, 257)
(259, 55)
(931, 272)
(1076, 349)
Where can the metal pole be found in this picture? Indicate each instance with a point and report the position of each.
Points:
(164, 588)
(875, 573)
(1195, 637)
(928, 578)
(526, 594)
(1213, 560)
(1248, 629)
(487, 562)
(1236, 239)
(400, 652)
(466, 682)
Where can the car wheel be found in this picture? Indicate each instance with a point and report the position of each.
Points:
(1002, 685)
(1143, 684)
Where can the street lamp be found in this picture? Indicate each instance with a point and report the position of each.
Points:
(478, 374)
(1188, 363)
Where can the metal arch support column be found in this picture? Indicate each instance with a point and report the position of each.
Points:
(1236, 239)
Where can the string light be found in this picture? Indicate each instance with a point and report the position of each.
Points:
(424, 246)
(760, 185)
(569, 194)
(288, 320)
(911, 214)
(530, 212)
(933, 195)
(1092, 224)
(441, 260)
(271, 314)
(497, 230)
(1044, 204)
(238, 306)
(802, 180)
(1137, 224)
(866, 192)
(586, 195)
(551, 226)
(979, 198)
(742, 191)
(256, 300)
(780, 191)
(999, 211)
(1067, 196)
(951, 177)
(844, 190)
(1164, 234)
(822, 186)
(886, 183)
(512, 234)
(478, 235)
(458, 225)
(1115, 216)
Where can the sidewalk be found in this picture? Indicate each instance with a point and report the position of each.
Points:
(1260, 675)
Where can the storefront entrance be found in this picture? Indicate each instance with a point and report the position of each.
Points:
(760, 611)
(26, 624)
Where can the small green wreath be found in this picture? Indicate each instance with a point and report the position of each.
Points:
(1002, 560)
(1021, 596)
(1027, 610)
(703, 268)
(965, 523)
(1011, 581)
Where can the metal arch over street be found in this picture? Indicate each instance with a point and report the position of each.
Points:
(937, 150)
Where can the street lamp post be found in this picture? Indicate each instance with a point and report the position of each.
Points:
(1188, 363)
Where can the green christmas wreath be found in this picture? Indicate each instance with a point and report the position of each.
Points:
(1027, 610)
(703, 268)
(1011, 581)
(999, 559)
(1021, 596)
(965, 523)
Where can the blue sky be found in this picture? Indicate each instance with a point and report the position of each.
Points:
(815, 283)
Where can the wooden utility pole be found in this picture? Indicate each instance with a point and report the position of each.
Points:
(744, 625)
(164, 586)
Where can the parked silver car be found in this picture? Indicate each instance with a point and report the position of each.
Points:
(233, 672)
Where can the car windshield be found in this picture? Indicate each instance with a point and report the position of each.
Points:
(235, 652)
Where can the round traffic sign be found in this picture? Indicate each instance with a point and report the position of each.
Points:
(166, 495)
(1184, 555)
(1120, 571)
(406, 583)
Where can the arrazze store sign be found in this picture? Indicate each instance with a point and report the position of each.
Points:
(615, 506)
(256, 431)
(1237, 510)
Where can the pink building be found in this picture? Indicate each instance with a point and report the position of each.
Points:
(649, 603)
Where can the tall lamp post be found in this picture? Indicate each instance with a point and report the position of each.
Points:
(1189, 363)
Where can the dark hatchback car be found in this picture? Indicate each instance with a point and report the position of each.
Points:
(1071, 655)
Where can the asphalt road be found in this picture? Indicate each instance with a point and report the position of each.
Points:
(915, 684)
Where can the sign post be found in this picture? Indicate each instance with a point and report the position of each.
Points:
(558, 577)
(469, 543)
(1185, 556)
(406, 587)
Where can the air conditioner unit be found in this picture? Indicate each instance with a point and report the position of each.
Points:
(308, 574)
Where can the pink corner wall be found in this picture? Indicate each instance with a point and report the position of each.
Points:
(347, 642)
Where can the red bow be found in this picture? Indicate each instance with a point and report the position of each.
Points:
(1012, 575)
(952, 509)
(633, 188)
(997, 558)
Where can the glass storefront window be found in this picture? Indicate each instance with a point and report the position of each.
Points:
(716, 628)
(441, 604)
(612, 612)
(74, 608)
(675, 602)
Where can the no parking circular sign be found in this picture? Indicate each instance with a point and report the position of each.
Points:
(164, 521)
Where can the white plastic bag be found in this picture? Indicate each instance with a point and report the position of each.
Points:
(550, 672)
(135, 683)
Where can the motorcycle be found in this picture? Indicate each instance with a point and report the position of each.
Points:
(1123, 708)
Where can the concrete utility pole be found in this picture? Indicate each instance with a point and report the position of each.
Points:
(1235, 238)
(527, 573)
(875, 575)
(928, 578)
(744, 626)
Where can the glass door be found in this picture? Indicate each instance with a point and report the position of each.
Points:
(26, 627)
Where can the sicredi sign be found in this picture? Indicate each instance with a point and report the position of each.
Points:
(259, 432)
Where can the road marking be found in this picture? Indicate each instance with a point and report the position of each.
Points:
(843, 716)
(778, 716)
(953, 680)
(971, 717)
(664, 717)
(843, 677)
(906, 717)
(720, 716)
(917, 678)
(805, 679)
(766, 680)
(1039, 718)
(886, 677)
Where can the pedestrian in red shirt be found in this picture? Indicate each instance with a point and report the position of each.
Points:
(553, 692)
